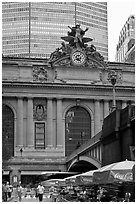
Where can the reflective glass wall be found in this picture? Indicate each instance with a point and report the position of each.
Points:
(34, 29)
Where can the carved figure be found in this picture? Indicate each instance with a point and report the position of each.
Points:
(77, 44)
(98, 56)
(55, 55)
(78, 34)
(64, 49)
(92, 48)
(75, 37)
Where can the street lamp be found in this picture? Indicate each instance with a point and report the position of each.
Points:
(112, 77)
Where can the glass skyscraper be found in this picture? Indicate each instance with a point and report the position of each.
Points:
(33, 29)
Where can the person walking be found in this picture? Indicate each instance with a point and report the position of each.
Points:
(9, 190)
(19, 191)
(55, 194)
(40, 189)
(4, 192)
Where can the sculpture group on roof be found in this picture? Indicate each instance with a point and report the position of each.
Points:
(76, 40)
(76, 35)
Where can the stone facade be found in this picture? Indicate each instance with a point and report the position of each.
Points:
(37, 92)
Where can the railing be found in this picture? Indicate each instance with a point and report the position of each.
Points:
(85, 147)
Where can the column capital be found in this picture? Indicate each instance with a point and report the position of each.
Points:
(30, 97)
(59, 98)
(106, 100)
(20, 97)
(97, 100)
(49, 98)
(124, 101)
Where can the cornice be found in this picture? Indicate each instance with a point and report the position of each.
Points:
(65, 86)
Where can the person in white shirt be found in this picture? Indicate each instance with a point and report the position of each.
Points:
(19, 192)
(40, 190)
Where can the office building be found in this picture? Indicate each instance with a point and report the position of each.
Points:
(33, 29)
(126, 45)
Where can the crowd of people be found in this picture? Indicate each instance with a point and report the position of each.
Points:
(94, 194)
(6, 191)
(71, 193)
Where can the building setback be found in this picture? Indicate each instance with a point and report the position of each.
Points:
(33, 29)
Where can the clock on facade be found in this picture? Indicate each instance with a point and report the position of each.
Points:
(78, 57)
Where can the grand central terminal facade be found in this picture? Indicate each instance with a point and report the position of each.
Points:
(49, 106)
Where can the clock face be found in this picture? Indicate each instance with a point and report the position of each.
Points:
(78, 58)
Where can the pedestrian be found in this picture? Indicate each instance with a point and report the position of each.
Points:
(127, 197)
(19, 191)
(40, 190)
(4, 192)
(9, 190)
(51, 190)
(36, 191)
(100, 193)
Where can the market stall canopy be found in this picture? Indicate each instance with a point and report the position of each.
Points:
(61, 182)
(71, 179)
(56, 174)
(85, 178)
(51, 182)
(81, 179)
(115, 172)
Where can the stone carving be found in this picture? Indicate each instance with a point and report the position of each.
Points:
(115, 75)
(40, 109)
(40, 74)
(75, 51)
(75, 37)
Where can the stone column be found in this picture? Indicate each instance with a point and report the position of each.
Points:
(97, 152)
(100, 153)
(124, 104)
(59, 124)
(30, 124)
(92, 128)
(50, 141)
(20, 122)
(106, 108)
(97, 117)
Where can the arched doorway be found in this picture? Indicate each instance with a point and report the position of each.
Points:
(77, 128)
(7, 132)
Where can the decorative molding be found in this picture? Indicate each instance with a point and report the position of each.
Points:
(76, 52)
(40, 74)
(117, 73)
(40, 109)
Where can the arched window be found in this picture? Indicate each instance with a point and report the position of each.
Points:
(7, 132)
(77, 128)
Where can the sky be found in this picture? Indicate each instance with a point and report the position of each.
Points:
(118, 13)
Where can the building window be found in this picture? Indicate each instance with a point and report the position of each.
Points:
(39, 135)
(7, 132)
(77, 128)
